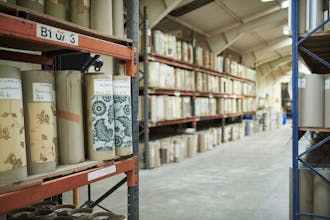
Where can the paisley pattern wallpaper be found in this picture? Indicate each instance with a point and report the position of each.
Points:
(103, 123)
(123, 122)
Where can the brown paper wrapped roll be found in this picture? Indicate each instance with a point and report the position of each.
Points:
(55, 8)
(327, 101)
(69, 117)
(100, 116)
(12, 134)
(321, 194)
(39, 117)
(311, 100)
(80, 12)
(37, 5)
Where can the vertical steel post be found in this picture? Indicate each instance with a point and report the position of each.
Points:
(133, 33)
(145, 87)
(223, 130)
(295, 180)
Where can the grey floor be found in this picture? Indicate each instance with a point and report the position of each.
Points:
(245, 179)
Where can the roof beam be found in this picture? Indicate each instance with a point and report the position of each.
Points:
(229, 11)
(221, 41)
(191, 6)
(245, 20)
(158, 9)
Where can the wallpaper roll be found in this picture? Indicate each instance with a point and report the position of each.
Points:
(321, 194)
(69, 112)
(311, 100)
(123, 115)
(192, 145)
(12, 134)
(327, 100)
(202, 141)
(100, 116)
(55, 8)
(37, 5)
(118, 17)
(39, 121)
(79, 13)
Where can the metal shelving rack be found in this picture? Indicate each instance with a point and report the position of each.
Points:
(193, 120)
(314, 49)
(20, 26)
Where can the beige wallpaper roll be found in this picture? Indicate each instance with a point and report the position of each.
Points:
(80, 12)
(55, 8)
(311, 100)
(321, 194)
(69, 111)
(12, 133)
(100, 116)
(327, 101)
(39, 120)
(118, 17)
(37, 5)
(305, 192)
(192, 145)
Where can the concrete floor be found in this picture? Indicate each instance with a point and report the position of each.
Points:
(241, 180)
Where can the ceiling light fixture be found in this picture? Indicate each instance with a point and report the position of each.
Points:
(267, 0)
(285, 4)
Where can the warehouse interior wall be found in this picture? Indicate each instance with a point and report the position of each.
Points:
(269, 87)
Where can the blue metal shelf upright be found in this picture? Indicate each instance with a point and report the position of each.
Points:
(314, 48)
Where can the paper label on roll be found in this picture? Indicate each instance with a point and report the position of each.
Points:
(122, 87)
(10, 89)
(42, 92)
(302, 83)
(327, 84)
(103, 87)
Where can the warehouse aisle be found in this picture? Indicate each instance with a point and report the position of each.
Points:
(242, 180)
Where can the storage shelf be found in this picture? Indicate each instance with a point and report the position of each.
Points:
(171, 122)
(189, 66)
(314, 129)
(48, 188)
(319, 44)
(19, 33)
(24, 29)
(170, 92)
(170, 61)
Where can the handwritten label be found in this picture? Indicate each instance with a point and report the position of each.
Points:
(103, 87)
(56, 34)
(302, 83)
(10, 89)
(42, 92)
(122, 87)
(327, 84)
(101, 172)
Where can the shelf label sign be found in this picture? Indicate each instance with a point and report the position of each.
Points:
(177, 93)
(327, 84)
(302, 83)
(101, 172)
(56, 34)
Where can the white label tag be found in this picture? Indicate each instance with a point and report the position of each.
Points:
(10, 88)
(56, 34)
(122, 87)
(42, 92)
(327, 84)
(176, 93)
(103, 87)
(302, 83)
(210, 95)
(101, 172)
